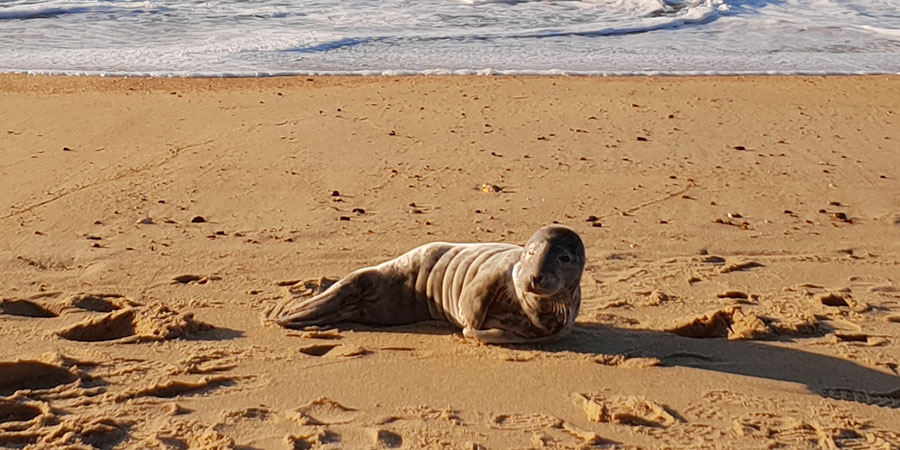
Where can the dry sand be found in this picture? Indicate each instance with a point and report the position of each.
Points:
(742, 287)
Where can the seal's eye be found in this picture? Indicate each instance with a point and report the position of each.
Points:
(564, 258)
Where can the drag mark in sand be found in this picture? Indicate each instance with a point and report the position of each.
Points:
(668, 196)
(121, 175)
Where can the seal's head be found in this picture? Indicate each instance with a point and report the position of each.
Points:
(552, 262)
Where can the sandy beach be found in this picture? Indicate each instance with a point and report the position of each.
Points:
(742, 288)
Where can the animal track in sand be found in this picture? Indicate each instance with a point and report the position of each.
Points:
(155, 322)
(626, 410)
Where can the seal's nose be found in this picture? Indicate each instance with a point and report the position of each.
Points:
(536, 281)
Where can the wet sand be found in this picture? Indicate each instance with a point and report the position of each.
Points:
(742, 287)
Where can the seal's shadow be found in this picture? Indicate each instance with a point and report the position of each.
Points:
(825, 375)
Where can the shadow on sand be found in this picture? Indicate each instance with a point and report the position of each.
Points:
(824, 375)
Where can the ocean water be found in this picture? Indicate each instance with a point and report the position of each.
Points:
(277, 37)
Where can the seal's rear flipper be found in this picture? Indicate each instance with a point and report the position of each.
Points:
(339, 303)
(323, 309)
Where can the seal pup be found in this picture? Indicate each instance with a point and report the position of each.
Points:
(496, 293)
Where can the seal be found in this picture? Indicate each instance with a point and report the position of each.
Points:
(496, 293)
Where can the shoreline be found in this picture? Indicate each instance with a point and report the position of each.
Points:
(26, 83)
(135, 210)
(441, 73)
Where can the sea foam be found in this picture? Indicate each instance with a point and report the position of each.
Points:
(277, 37)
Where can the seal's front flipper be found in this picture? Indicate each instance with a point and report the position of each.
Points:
(495, 336)
(500, 336)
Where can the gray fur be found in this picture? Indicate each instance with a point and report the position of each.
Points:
(497, 293)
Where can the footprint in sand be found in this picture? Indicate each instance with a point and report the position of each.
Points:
(32, 307)
(626, 410)
(155, 322)
(883, 399)
(102, 303)
(525, 422)
(317, 414)
(190, 278)
(740, 266)
(306, 288)
(24, 308)
(764, 426)
(730, 322)
(27, 423)
(20, 415)
(335, 350)
(179, 388)
(315, 439)
(29, 375)
(330, 335)
(383, 438)
(84, 431)
(547, 431)
(627, 361)
(317, 350)
(324, 411)
(843, 299)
